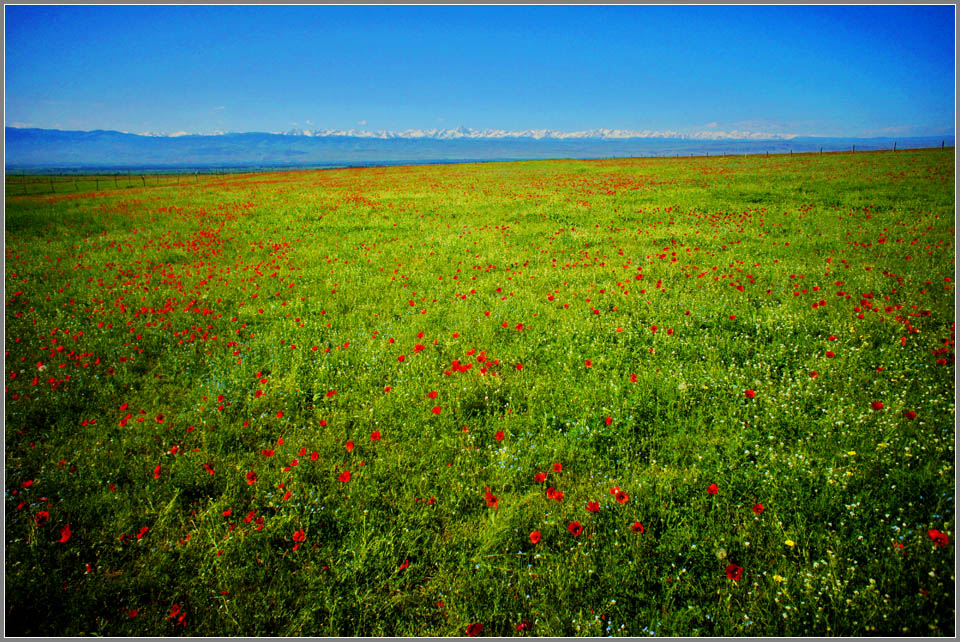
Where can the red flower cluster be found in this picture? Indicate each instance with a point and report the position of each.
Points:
(734, 572)
(939, 539)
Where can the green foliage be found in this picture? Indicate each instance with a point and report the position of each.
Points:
(193, 369)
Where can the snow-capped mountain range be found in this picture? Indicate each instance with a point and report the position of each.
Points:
(539, 134)
(499, 134)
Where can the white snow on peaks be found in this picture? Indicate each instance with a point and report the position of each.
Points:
(540, 134)
(461, 132)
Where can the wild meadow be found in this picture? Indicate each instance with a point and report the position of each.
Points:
(628, 397)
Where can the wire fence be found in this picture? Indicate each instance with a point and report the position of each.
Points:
(26, 184)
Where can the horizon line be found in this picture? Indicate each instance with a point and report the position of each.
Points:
(461, 132)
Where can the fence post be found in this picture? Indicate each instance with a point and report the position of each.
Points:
(854, 148)
(894, 145)
(143, 180)
(941, 144)
(821, 150)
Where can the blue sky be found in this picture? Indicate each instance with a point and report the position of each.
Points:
(809, 70)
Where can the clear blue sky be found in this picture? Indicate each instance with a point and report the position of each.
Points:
(828, 70)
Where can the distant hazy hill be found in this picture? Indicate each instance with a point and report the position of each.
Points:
(48, 148)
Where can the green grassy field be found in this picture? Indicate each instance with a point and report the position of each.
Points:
(707, 396)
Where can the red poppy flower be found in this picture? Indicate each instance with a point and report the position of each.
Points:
(299, 536)
(437, 410)
(608, 420)
(474, 630)
(279, 414)
(65, 534)
(622, 497)
(534, 537)
(41, 518)
(593, 507)
(344, 476)
(499, 436)
(713, 489)
(557, 467)
(876, 405)
(519, 366)
(375, 435)
(734, 572)
(156, 472)
(749, 394)
(939, 539)
(830, 355)
(349, 446)
(575, 528)
(401, 358)
(524, 626)
(331, 393)
(910, 414)
(405, 564)
(540, 478)
(160, 419)
(637, 527)
(758, 508)
(588, 363)
(491, 499)
(432, 394)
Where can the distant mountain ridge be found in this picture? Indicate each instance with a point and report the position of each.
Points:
(539, 134)
(27, 148)
(536, 134)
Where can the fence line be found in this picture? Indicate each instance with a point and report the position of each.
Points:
(24, 184)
